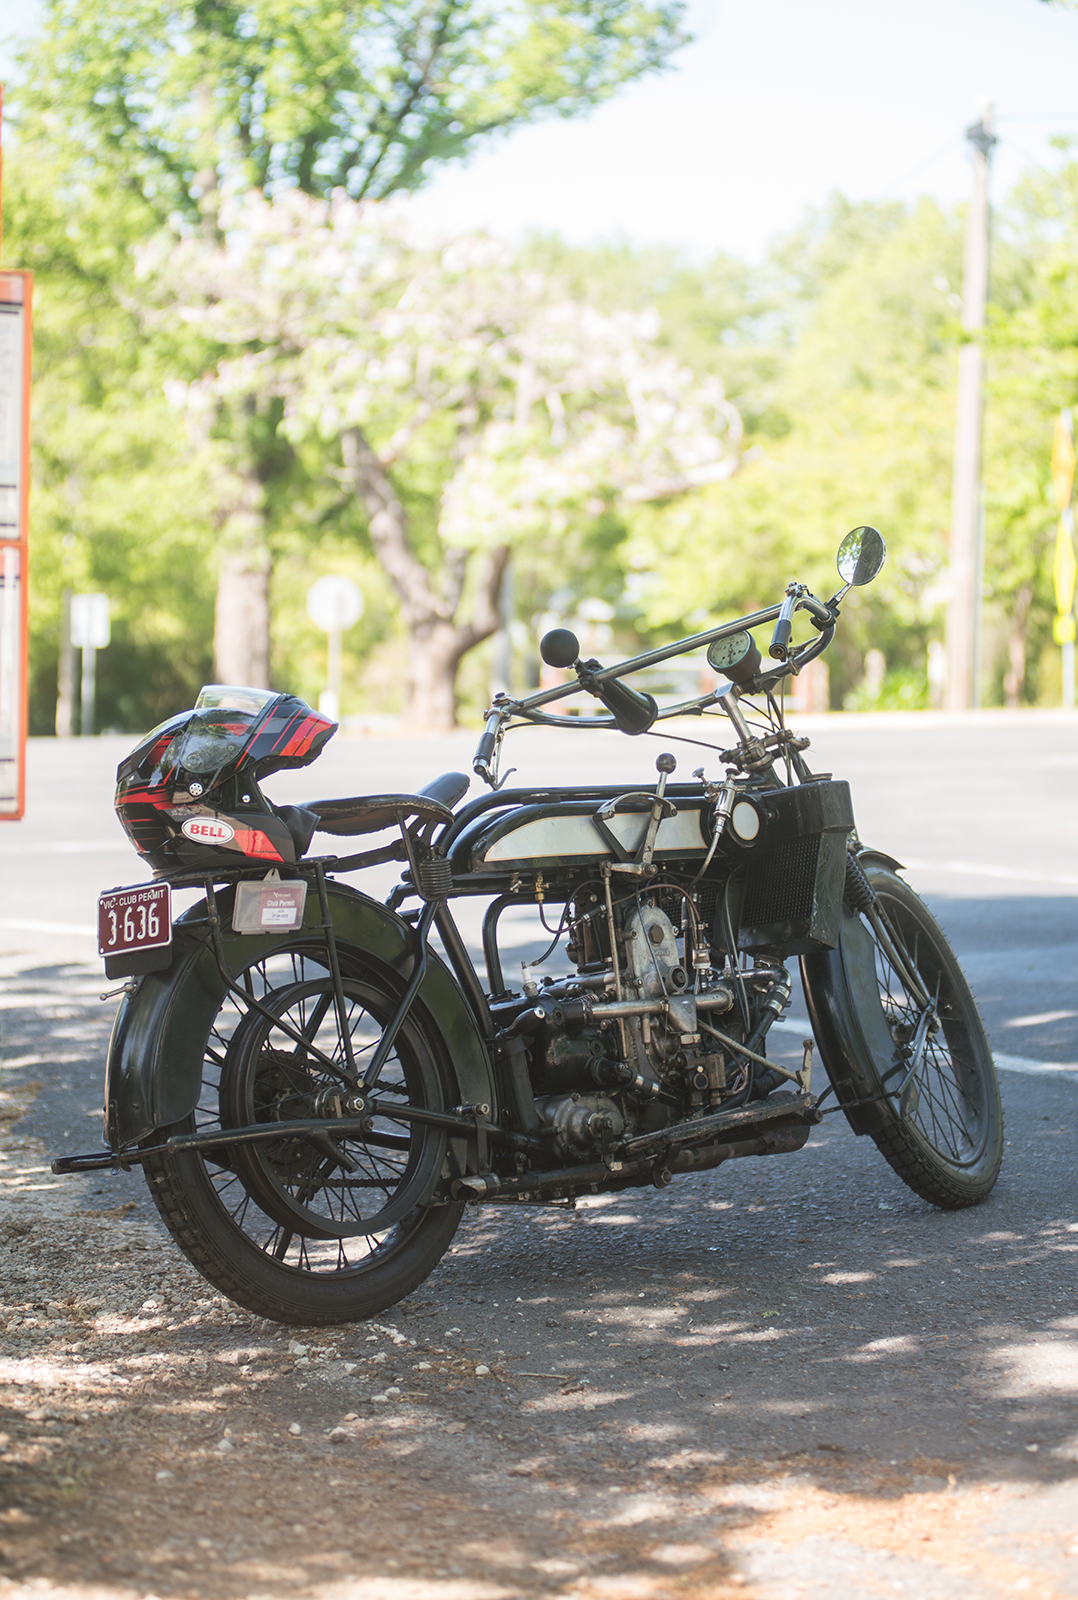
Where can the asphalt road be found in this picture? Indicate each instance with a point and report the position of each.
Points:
(789, 1377)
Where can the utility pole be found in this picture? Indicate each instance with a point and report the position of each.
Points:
(65, 677)
(964, 612)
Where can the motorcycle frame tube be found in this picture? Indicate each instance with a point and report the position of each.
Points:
(154, 1070)
(570, 1181)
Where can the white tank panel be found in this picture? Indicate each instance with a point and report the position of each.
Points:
(565, 837)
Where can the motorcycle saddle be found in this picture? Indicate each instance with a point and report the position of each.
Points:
(370, 813)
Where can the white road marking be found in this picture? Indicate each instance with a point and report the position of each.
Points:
(73, 847)
(25, 925)
(991, 869)
(1066, 1070)
(1041, 1017)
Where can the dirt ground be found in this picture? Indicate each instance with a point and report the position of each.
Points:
(789, 1378)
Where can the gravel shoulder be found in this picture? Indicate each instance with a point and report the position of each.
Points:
(787, 1378)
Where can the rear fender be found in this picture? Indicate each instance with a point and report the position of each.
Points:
(154, 1071)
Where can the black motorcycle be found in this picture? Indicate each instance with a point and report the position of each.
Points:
(314, 1094)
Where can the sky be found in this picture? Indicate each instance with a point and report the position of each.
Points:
(774, 106)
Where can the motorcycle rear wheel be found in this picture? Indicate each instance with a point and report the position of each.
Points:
(279, 1228)
(934, 1112)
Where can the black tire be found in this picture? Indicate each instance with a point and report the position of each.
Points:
(941, 1127)
(299, 1231)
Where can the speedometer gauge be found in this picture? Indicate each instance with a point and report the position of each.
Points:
(736, 656)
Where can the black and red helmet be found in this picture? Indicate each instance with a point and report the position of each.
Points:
(188, 797)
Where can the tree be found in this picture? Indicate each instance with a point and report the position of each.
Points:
(118, 505)
(173, 100)
(472, 405)
(861, 426)
(176, 97)
(1033, 373)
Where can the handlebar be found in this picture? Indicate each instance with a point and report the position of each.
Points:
(633, 711)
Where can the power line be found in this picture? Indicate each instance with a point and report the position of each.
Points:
(1036, 160)
(921, 166)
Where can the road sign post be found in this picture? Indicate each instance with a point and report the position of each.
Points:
(90, 633)
(15, 300)
(334, 604)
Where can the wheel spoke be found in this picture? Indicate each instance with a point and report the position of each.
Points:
(939, 1104)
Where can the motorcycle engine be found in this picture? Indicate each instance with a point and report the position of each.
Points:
(621, 1046)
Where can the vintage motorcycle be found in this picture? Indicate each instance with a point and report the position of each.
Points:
(314, 1093)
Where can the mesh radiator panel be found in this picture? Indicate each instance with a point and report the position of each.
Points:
(781, 886)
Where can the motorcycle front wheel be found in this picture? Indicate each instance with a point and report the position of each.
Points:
(309, 1228)
(913, 1070)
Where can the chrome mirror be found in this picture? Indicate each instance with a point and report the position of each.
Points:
(860, 556)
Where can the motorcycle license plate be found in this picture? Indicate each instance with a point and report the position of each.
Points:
(131, 922)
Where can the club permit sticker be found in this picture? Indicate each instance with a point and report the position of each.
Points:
(268, 905)
(279, 909)
(208, 830)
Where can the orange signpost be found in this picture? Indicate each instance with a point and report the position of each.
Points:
(15, 296)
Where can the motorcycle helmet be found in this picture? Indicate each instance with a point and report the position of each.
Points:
(188, 795)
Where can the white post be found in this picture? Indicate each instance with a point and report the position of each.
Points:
(333, 604)
(332, 707)
(962, 622)
(89, 663)
(90, 632)
(65, 677)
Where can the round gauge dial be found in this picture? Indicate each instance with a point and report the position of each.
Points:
(736, 656)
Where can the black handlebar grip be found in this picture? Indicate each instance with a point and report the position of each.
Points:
(632, 711)
(488, 743)
(780, 639)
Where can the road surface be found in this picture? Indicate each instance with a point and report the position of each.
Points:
(790, 1377)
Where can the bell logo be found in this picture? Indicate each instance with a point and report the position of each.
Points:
(207, 830)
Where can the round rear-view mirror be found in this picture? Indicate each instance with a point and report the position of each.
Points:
(860, 556)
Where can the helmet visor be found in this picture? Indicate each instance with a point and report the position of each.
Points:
(219, 730)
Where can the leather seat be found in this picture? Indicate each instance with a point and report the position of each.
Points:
(370, 813)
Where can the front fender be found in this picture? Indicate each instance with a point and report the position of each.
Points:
(867, 856)
(154, 1071)
(842, 999)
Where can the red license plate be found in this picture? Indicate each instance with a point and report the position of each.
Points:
(134, 919)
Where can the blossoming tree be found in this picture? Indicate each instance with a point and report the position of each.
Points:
(401, 355)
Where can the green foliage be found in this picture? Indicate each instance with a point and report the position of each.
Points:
(904, 690)
(173, 97)
(719, 316)
(840, 354)
(117, 505)
(1033, 373)
(866, 387)
(131, 112)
